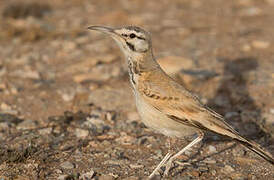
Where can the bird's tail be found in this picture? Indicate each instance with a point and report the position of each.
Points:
(253, 146)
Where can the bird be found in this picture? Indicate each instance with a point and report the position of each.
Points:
(165, 105)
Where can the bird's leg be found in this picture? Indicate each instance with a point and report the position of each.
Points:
(169, 163)
(164, 160)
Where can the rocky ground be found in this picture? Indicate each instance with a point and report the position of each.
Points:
(66, 108)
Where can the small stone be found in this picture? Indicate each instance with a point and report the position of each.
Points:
(238, 176)
(29, 74)
(245, 160)
(203, 169)
(173, 64)
(69, 46)
(5, 107)
(81, 133)
(244, 2)
(67, 94)
(9, 118)
(246, 47)
(136, 166)
(228, 169)
(131, 178)
(212, 149)
(3, 86)
(105, 71)
(87, 175)
(251, 11)
(68, 97)
(194, 173)
(229, 115)
(67, 165)
(272, 110)
(45, 131)
(106, 177)
(209, 161)
(62, 177)
(125, 139)
(108, 58)
(110, 116)
(271, 2)
(4, 126)
(260, 44)
(27, 124)
(96, 125)
(58, 171)
(3, 70)
(13, 90)
(221, 101)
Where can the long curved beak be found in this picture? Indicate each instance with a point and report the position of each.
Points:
(103, 29)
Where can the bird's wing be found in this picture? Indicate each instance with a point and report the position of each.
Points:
(180, 105)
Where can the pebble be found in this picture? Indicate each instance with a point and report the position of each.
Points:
(81, 133)
(110, 116)
(108, 58)
(4, 126)
(244, 2)
(2, 71)
(251, 11)
(125, 139)
(209, 161)
(96, 125)
(58, 171)
(221, 101)
(229, 115)
(136, 166)
(69, 46)
(131, 178)
(68, 97)
(106, 72)
(9, 118)
(271, 2)
(87, 175)
(246, 47)
(228, 169)
(45, 131)
(272, 110)
(5, 107)
(173, 64)
(212, 149)
(62, 177)
(27, 124)
(106, 177)
(67, 165)
(2, 86)
(28, 74)
(260, 44)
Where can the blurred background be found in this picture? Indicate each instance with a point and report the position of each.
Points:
(66, 107)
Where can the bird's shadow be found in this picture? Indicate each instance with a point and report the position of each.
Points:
(240, 109)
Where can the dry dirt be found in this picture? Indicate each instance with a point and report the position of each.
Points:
(66, 108)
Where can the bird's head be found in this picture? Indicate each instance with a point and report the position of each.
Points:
(131, 39)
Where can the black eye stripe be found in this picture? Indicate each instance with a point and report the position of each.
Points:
(140, 38)
(130, 46)
(132, 35)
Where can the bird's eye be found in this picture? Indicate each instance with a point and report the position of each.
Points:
(132, 35)
(125, 35)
